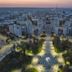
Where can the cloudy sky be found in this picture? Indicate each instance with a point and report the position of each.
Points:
(35, 3)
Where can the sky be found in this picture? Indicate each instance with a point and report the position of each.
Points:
(35, 3)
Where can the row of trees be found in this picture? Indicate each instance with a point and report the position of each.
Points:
(64, 46)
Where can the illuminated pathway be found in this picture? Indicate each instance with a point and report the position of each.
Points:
(47, 60)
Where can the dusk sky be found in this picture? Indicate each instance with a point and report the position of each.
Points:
(35, 3)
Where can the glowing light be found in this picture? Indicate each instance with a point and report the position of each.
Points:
(55, 68)
(47, 59)
(16, 70)
(35, 60)
(68, 63)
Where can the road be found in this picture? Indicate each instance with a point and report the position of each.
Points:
(6, 49)
(47, 60)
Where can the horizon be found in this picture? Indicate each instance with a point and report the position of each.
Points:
(39, 7)
(37, 3)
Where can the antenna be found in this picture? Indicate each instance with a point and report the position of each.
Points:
(56, 9)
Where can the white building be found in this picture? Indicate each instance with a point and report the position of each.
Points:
(37, 26)
(20, 28)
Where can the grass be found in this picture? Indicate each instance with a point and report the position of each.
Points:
(32, 70)
(29, 52)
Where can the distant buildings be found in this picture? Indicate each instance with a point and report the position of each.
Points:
(57, 21)
(20, 28)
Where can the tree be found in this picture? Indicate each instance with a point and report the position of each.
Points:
(66, 45)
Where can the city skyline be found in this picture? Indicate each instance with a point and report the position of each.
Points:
(36, 3)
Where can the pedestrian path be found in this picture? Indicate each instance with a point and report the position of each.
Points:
(47, 60)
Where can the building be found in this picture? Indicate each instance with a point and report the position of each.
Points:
(20, 28)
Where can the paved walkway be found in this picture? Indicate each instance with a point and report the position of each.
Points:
(47, 60)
